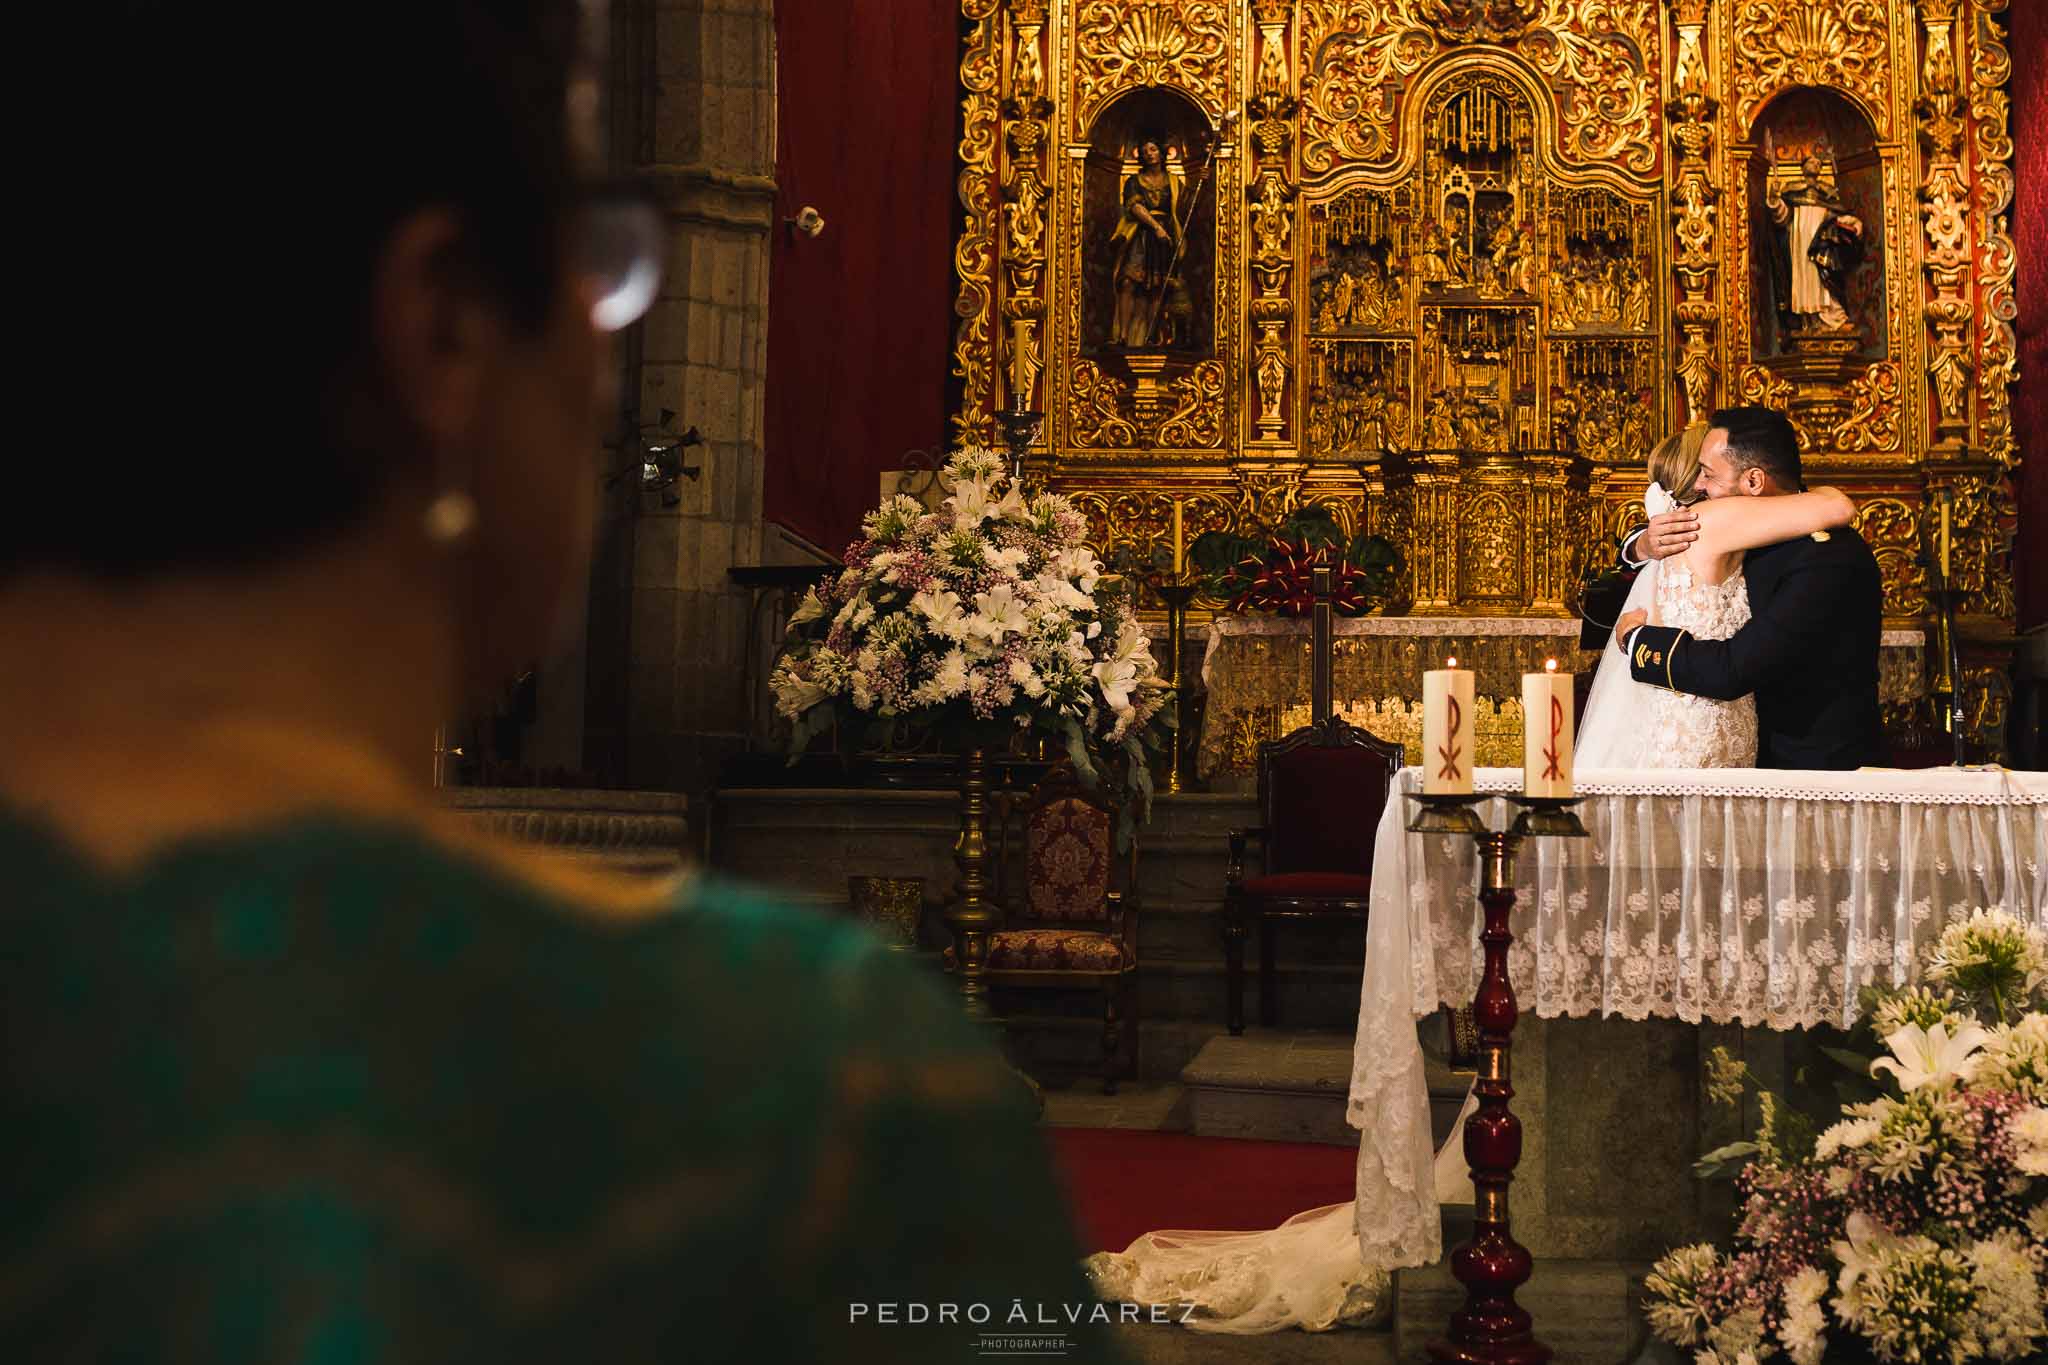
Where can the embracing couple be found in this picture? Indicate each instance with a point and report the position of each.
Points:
(1750, 637)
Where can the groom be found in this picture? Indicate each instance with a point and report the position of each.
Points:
(1809, 652)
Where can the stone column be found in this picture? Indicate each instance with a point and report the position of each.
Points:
(665, 704)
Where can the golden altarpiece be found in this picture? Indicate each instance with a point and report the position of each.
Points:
(1451, 267)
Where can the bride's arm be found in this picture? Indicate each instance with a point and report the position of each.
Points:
(1738, 523)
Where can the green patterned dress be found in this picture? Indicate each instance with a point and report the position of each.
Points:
(329, 1092)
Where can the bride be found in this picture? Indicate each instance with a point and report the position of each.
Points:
(1308, 1273)
(1629, 724)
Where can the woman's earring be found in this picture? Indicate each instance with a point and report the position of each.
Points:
(450, 517)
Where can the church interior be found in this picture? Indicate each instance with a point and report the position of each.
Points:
(1124, 510)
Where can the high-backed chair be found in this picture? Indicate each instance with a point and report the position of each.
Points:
(1071, 922)
(1321, 791)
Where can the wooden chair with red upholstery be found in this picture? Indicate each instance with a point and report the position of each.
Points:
(1073, 923)
(1321, 791)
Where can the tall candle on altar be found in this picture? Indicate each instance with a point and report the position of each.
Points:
(1447, 730)
(1020, 385)
(1944, 538)
(1176, 540)
(1547, 732)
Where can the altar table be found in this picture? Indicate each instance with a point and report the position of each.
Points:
(1257, 670)
(1752, 896)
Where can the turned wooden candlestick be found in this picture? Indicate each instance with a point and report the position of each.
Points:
(1492, 1329)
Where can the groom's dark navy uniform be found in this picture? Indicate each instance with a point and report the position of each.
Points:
(1809, 653)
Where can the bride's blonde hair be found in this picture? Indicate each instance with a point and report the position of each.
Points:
(1675, 462)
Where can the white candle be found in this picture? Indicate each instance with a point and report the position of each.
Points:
(1447, 748)
(1547, 732)
(1020, 348)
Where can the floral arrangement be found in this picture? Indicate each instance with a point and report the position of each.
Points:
(1275, 572)
(987, 617)
(1916, 1228)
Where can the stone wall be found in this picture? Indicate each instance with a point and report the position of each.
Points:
(693, 100)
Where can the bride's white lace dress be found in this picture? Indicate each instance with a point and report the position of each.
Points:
(1681, 730)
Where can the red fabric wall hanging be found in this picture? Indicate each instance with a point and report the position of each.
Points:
(860, 317)
(2029, 19)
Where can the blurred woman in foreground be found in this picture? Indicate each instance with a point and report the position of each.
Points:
(295, 1072)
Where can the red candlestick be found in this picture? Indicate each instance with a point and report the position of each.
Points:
(1492, 1329)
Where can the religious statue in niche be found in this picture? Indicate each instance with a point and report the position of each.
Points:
(1817, 243)
(1149, 232)
(1816, 187)
(1148, 245)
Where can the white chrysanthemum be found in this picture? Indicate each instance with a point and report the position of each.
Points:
(2015, 1057)
(1674, 1293)
(2007, 1313)
(1849, 1133)
(1804, 1328)
(951, 678)
(2029, 1129)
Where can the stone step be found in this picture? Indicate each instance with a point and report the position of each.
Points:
(1291, 1086)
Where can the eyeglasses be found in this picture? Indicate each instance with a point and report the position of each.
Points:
(618, 244)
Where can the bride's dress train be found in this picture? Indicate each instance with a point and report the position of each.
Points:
(1306, 1273)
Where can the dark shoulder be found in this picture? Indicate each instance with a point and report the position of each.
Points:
(1841, 545)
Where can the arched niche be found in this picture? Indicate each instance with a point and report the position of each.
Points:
(1814, 145)
(1181, 319)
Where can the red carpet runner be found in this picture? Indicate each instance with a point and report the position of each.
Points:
(1123, 1182)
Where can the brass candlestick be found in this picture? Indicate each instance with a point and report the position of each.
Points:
(1176, 596)
(1492, 1329)
(970, 914)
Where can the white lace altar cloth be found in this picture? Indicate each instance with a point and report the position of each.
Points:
(1747, 895)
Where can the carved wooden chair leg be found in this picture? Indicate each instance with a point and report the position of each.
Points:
(1112, 1029)
(1269, 975)
(1233, 966)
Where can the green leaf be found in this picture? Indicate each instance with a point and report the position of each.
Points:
(1854, 1061)
(1725, 1161)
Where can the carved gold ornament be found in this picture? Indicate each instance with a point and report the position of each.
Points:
(1837, 43)
(1122, 44)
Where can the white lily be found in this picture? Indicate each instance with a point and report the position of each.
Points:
(997, 613)
(1117, 677)
(810, 609)
(1929, 1056)
(969, 503)
(941, 607)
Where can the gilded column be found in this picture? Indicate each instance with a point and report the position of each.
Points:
(1272, 107)
(1694, 194)
(1944, 207)
(1027, 187)
(1991, 135)
(974, 253)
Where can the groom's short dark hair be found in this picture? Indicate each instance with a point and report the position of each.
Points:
(1762, 438)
